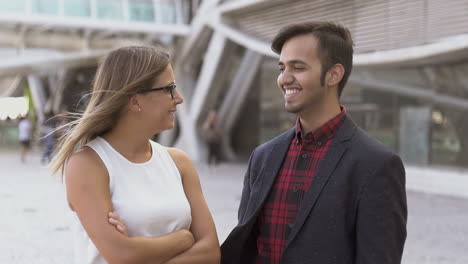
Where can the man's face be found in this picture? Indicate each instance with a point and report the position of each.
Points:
(300, 71)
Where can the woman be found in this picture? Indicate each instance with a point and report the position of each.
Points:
(154, 190)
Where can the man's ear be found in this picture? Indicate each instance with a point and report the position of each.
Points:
(335, 74)
(133, 104)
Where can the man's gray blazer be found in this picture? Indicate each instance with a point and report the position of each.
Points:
(353, 213)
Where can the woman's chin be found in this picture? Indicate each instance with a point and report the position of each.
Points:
(170, 126)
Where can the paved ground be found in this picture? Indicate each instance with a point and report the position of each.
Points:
(34, 217)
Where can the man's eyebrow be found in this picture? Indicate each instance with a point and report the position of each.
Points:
(296, 62)
(292, 62)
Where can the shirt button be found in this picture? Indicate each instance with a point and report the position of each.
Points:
(319, 143)
(291, 225)
(304, 156)
(297, 141)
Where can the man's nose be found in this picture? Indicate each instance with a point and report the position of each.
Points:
(285, 78)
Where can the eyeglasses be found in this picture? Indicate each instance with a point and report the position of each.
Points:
(171, 87)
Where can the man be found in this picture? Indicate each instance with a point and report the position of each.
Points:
(324, 191)
(212, 134)
(24, 136)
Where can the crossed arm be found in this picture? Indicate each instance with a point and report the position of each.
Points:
(206, 249)
(88, 194)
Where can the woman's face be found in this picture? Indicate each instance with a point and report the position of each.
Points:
(158, 107)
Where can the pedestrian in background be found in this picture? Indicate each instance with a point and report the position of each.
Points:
(135, 201)
(212, 135)
(24, 136)
(324, 191)
(48, 136)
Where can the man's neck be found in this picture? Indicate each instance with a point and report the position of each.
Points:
(312, 120)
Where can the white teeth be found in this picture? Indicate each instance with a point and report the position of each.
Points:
(291, 91)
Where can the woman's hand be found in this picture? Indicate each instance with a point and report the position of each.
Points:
(115, 220)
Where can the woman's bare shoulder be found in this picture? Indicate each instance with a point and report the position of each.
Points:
(177, 153)
(181, 159)
(83, 164)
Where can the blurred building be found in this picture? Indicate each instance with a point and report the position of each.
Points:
(407, 88)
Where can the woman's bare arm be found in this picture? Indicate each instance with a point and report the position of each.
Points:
(88, 194)
(206, 248)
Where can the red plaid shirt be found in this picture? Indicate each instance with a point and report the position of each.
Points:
(284, 200)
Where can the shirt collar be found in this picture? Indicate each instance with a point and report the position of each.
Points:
(324, 132)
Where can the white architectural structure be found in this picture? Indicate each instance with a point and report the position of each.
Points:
(408, 53)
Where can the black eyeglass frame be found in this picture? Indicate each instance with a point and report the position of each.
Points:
(170, 87)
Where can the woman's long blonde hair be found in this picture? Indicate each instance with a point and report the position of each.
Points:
(123, 73)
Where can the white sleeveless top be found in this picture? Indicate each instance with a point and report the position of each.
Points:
(149, 197)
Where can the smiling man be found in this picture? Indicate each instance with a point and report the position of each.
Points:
(324, 191)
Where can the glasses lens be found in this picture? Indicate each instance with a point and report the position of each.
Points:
(171, 90)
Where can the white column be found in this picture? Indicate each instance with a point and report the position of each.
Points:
(414, 136)
(179, 12)
(61, 8)
(28, 7)
(189, 112)
(59, 90)
(208, 72)
(93, 9)
(235, 98)
(126, 10)
(37, 93)
(157, 11)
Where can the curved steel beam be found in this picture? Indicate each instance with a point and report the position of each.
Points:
(31, 65)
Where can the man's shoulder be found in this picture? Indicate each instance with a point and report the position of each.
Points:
(357, 139)
(283, 138)
(368, 146)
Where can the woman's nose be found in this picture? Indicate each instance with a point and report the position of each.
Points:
(178, 97)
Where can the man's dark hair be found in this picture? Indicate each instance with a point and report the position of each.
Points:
(335, 45)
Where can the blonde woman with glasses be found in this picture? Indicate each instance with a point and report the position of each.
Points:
(135, 201)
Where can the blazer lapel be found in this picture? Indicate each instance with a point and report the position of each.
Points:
(269, 171)
(336, 150)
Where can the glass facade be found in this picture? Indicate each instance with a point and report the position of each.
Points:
(159, 11)
(77, 8)
(109, 9)
(12, 6)
(45, 7)
(421, 131)
(141, 10)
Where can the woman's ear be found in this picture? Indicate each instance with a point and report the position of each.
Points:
(335, 74)
(133, 104)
